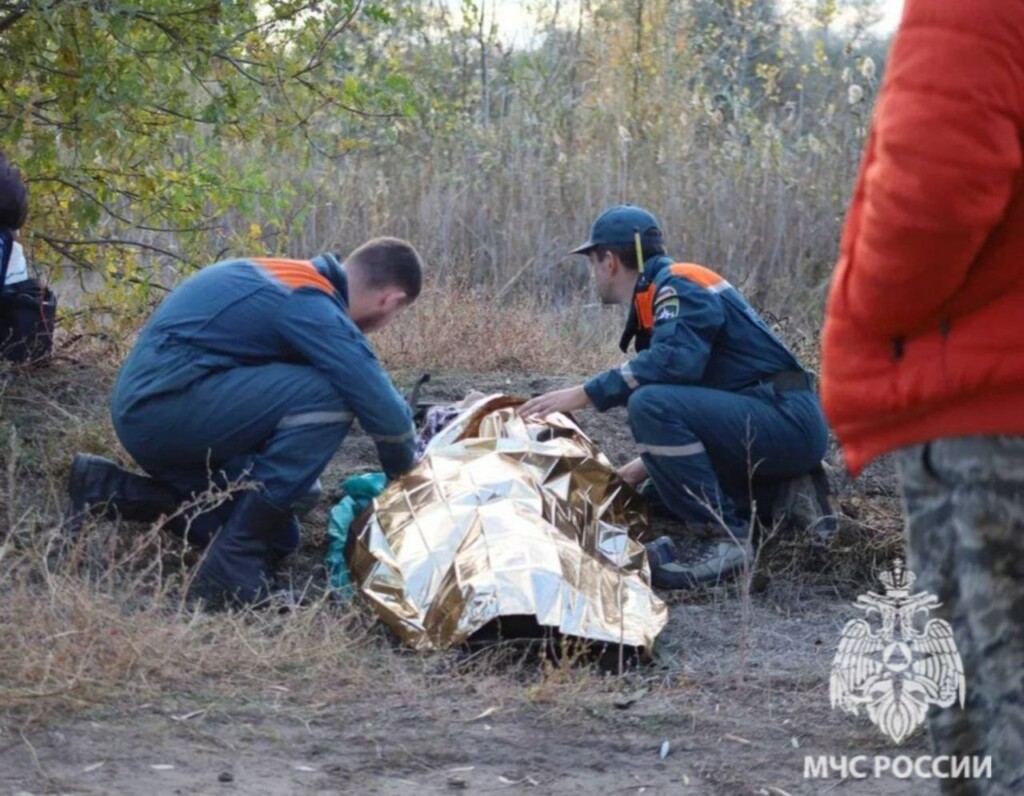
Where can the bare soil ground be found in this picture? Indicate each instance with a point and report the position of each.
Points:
(735, 700)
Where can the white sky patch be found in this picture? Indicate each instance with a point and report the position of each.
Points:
(516, 20)
(892, 9)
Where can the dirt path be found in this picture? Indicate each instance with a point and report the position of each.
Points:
(723, 738)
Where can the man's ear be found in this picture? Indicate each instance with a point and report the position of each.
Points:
(392, 298)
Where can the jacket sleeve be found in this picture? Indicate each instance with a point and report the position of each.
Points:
(940, 165)
(318, 331)
(687, 318)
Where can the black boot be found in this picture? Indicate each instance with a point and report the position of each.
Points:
(97, 487)
(235, 570)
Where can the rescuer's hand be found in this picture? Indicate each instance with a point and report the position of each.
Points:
(566, 400)
(633, 473)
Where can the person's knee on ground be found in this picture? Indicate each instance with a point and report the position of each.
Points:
(99, 487)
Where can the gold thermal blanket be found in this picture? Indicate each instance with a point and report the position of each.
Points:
(504, 517)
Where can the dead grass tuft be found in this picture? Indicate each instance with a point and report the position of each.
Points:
(77, 633)
(463, 328)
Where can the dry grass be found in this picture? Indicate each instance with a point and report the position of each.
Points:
(458, 327)
(67, 642)
(79, 632)
(102, 623)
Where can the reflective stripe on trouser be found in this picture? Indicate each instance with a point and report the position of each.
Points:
(277, 424)
(699, 445)
(964, 500)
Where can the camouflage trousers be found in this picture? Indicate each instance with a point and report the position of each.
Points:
(964, 503)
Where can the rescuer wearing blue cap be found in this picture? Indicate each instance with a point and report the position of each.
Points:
(719, 408)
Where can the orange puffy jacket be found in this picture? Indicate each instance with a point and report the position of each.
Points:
(924, 334)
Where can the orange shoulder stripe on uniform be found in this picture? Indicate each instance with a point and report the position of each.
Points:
(294, 273)
(704, 277)
(698, 274)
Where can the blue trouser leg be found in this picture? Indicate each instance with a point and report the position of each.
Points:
(276, 424)
(707, 450)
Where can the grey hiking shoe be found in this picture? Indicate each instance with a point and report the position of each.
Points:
(803, 503)
(674, 566)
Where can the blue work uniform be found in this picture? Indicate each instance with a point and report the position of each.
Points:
(720, 409)
(253, 367)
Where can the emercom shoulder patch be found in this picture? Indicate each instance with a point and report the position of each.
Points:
(664, 293)
(666, 310)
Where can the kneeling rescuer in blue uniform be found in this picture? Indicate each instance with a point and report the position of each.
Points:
(254, 369)
(718, 405)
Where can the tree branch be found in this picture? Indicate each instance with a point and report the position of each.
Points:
(13, 14)
(59, 244)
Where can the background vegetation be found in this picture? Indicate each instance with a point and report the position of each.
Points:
(161, 136)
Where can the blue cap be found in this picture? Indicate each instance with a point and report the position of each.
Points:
(618, 226)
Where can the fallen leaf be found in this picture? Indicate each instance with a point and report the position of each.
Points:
(665, 747)
(94, 767)
(736, 738)
(794, 742)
